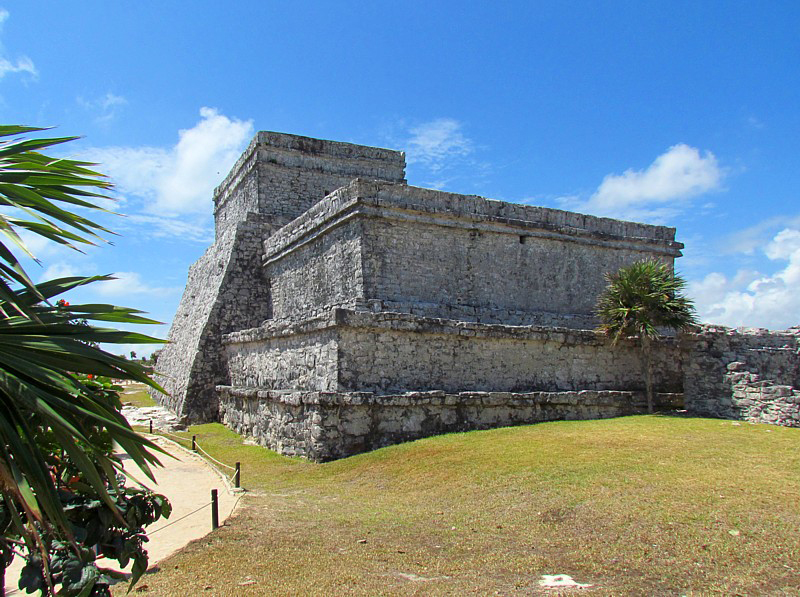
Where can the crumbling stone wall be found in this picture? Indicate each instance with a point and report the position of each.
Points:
(745, 374)
(224, 292)
(397, 248)
(357, 351)
(324, 426)
(340, 309)
(277, 179)
(282, 176)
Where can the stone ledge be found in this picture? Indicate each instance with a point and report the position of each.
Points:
(343, 317)
(441, 398)
(327, 425)
(379, 199)
(296, 151)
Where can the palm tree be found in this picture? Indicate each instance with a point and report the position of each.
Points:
(48, 346)
(640, 301)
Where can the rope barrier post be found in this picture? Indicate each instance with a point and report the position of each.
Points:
(194, 443)
(237, 475)
(214, 510)
(151, 426)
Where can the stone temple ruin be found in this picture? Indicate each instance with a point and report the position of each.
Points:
(340, 310)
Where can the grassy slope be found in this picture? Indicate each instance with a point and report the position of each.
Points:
(136, 395)
(638, 505)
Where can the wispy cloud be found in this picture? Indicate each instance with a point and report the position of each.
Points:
(754, 298)
(195, 230)
(756, 236)
(174, 185)
(21, 64)
(63, 270)
(658, 192)
(437, 143)
(104, 107)
(128, 284)
(439, 154)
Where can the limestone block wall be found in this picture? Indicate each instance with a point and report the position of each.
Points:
(357, 351)
(281, 176)
(276, 179)
(488, 271)
(323, 273)
(391, 247)
(223, 293)
(746, 374)
(389, 352)
(324, 426)
(305, 361)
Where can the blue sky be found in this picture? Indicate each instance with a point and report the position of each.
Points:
(677, 113)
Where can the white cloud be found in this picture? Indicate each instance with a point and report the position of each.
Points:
(178, 180)
(756, 236)
(436, 143)
(130, 283)
(105, 106)
(23, 64)
(195, 230)
(657, 192)
(752, 298)
(62, 270)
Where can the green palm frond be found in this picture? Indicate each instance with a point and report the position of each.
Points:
(47, 350)
(643, 298)
(32, 186)
(39, 361)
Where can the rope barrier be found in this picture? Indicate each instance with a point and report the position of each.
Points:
(170, 523)
(168, 434)
(234, 477)
(210, 457)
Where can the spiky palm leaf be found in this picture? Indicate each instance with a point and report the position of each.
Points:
(641, 300)
(42, 346)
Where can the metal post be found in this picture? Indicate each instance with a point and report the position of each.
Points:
(194, 443)
(214, 510)
(151, 425)
(237, 475)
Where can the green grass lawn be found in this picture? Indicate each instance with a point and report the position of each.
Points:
(646, 505)
(136, 395)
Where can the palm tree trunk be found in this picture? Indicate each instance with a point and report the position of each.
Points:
(647, 371)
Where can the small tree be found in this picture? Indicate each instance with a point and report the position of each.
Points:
(640, 301)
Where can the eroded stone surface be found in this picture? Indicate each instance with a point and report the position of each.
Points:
(340, 309)
(747, 374)
(328, 425)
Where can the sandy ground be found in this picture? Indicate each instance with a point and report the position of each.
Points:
(187, 481)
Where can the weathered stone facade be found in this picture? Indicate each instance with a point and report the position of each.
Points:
(277, 178)
(340, 309)
(745, 374)
(328, 425)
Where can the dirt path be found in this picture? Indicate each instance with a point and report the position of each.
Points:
(187, 481)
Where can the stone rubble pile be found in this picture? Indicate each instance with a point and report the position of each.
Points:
(162, 419)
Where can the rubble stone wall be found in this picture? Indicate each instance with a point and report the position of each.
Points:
(319, 274)
(224, 292)
(324, 426)
(287, 174)
(358, 351)
(276, 179)
(744, 374)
